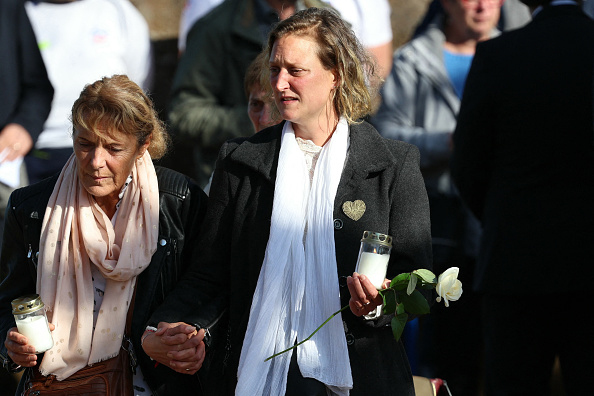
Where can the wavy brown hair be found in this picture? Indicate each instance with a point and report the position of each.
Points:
(118, 104)
(339, 50)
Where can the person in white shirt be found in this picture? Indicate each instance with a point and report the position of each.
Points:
(80, 42)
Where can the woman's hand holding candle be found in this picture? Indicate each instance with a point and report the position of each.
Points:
(19, 349)
(365, 297)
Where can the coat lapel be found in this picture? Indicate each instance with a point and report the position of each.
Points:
(260, 152)
(367, 154)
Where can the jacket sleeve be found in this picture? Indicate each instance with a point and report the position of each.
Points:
(196, 110)
(201, 296)
(401, 111)
(16, 272)
(473, 140)
(410, 226)
(36, 89)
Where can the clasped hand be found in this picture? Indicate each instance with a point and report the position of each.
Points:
(176, 345)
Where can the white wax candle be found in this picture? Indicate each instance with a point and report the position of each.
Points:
(374, 266)
(37, 332)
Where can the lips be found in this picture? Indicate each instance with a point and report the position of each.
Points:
(287, 99)
(98, 178)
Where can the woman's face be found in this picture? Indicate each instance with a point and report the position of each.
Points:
(260, 109)
(105, 163)
(302, 86)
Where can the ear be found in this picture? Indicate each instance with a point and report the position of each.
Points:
(336, 80)
(142, 149)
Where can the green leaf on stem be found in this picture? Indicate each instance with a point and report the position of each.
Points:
(400, 282)
(389, 296)
(427, 278)
(412, 285)
(398, 323)
(416, 303)
(426, 275)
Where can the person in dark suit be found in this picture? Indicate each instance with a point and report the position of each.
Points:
(26, 92)
(524, 163)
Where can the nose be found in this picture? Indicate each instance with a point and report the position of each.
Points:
(280, 81)
(97, 159)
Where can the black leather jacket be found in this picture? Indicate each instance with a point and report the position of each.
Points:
(182, 206)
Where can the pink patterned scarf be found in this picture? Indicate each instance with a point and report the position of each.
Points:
(76, 234)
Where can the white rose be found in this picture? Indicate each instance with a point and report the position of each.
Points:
(448, 286)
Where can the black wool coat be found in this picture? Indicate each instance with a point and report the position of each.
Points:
(382, 173)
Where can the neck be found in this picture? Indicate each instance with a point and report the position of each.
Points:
(461, 42)
(284, 8)
(108, 204)
(318, 133)
(467, 47)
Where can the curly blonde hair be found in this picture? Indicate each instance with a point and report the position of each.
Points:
(339, 50)
(117, 103)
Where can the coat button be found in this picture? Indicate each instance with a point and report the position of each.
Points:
(342, 281)
(162, 242)
(338, 224)
(350, 339)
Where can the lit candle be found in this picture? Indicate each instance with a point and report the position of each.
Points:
(29, 316)
(374, 266)
(36, 330)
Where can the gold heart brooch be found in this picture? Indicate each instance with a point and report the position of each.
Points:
(354, 210)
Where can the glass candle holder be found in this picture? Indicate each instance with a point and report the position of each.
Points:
(374, 255)
(31, 321)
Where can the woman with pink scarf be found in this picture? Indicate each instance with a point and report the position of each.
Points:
(110, 232)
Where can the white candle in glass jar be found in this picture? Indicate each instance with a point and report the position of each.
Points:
(374, 266)
(36, 330)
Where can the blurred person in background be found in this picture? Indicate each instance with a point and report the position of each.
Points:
(25, 103)
(261, 108)
(208, 103)
(523, 162)
(369, 19)
(419, 105)
(26, 97)
(371, 22)
(81, 41)
(514, 14)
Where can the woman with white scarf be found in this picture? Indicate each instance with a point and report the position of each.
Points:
(287, 211)
(109, 227)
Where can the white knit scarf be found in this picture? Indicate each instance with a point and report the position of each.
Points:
(76, 234)
(297, 288)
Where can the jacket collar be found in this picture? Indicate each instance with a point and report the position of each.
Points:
(368, 152)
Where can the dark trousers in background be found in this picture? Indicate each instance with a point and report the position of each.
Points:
(523, 333)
